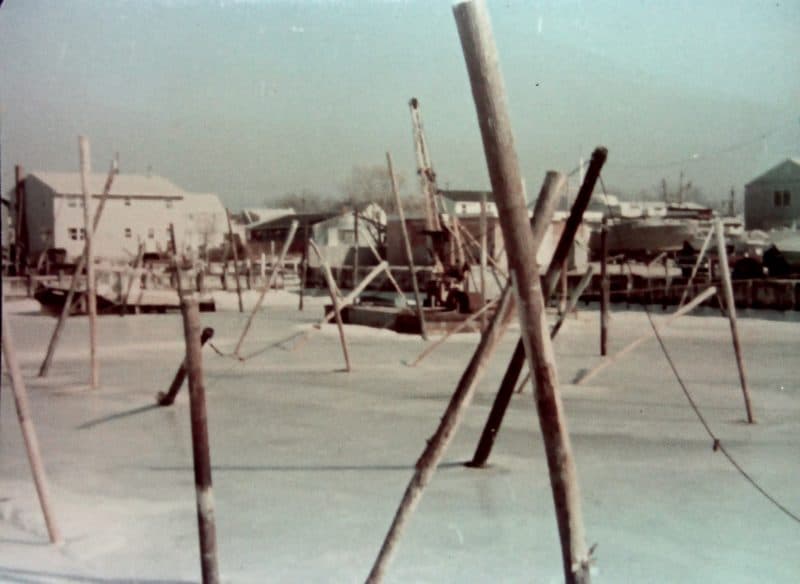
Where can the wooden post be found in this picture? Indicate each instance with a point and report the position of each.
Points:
(270, 282)
(731, 308)
(200, 447)
(437, 444)
(355, 246)
(176, 264)
(514, 369)
(546, 204)
(168, 398)
(134, 275)
(490, 102)
(235, 261)
(91, 299)
(20, 222)
(483, 252)
(303, 266)
(696, 266)
(336, 307)
(605, 289)
(461, 326)
(28, 430)
(699, 299)
(571, 304)
(562, 304)
(409, 251)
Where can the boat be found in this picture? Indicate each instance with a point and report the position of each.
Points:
(644, 237)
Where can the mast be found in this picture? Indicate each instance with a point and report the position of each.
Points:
(427, 177)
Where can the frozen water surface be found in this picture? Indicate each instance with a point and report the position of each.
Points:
(310, 462)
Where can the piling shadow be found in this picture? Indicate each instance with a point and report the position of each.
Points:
(306, 468)
(118, 416)
(21, 576)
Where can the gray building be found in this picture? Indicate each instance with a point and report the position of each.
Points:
(773, 199)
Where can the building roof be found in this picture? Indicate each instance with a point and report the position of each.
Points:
(788, 169)
(124, 185)
(285, 221)
(260, 215)
(466, 196)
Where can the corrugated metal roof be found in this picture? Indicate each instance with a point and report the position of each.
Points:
(69, 183)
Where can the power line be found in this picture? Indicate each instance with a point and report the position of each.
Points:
(717, 444)
(700, 156)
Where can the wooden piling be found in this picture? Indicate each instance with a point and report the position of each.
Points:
(438, 443)
(543, 211)
(355, 245)
(490, 101)
(286, 244)
(483, 252)
(407, 244)
(730, 305)
(514, 368)
(168, 398)
(28, 430)
(91, 298)
(200, 443)
(697, 264)
(605, 289)
(337, 312)
(235, 260)
(304, 266)
(699, 299)
(44, 369)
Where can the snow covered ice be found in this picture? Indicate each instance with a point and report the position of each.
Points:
(309, 462)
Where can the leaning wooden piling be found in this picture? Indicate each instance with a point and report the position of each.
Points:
(438, 443)
(730, 306)
(490, 102)
(699, 299)
(604, 288)
(286, 244)
(91, 298)
(407, 244)
(200, 443)
(168, 398)
(337, 311)
(514, 368)
(235, 260)
(28, 430)
(44, 368)
(545, 207)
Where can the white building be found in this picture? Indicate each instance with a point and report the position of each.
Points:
(468, 203)
(772, 200)
(139, 209)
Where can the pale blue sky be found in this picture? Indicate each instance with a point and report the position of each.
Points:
(254, 99)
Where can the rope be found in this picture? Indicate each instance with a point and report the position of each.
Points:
(717, 444)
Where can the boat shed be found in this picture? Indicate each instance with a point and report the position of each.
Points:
(772, 200)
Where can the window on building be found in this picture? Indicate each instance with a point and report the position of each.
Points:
(778, 199)
(463, 207)
(787, 199)
(83, 234)
(128, 233)
(169, 204)
(71, 202)
(73, 233)
(151, 233)
(347, 236)
(127, 201)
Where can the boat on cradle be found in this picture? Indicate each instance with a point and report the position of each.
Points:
(647, 236)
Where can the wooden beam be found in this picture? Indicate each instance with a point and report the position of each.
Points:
(337, 311)
(727, 289)
(235, 260)
(699, 299)
(91, 298)
(488, 92)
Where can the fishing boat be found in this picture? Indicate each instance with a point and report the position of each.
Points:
(646, 236)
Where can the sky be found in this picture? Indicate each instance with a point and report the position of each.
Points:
(254, 99)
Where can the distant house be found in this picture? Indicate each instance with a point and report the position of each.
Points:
(468, 203)
(269, 235)
(773, 199)
(336, 236)
(139, 209)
